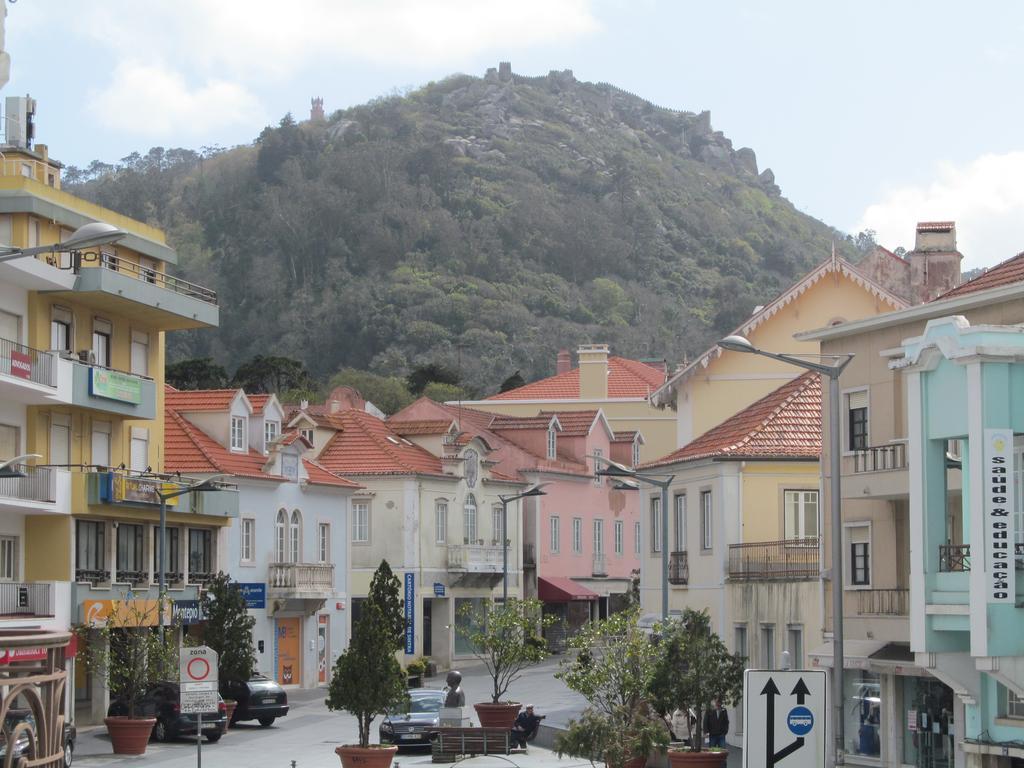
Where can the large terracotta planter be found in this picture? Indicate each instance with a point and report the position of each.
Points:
(684, 758)
(353, 756)
(128, 735)
(231, 705)
(500, 715)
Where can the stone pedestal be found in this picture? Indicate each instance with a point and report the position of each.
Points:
(454, 717)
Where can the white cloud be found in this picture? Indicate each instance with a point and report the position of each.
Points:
(984, 197)
(151, 101)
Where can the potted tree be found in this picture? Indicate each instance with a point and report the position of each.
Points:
(126, 651)
(613, 667)
(228, 631)
(367, 679)
(501, 636)
(694, 668)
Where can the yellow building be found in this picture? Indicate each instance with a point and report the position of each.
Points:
(81, 374)
(719, 383)
(620, 387)
(743, 537)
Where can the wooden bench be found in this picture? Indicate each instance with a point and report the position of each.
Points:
(451, 744)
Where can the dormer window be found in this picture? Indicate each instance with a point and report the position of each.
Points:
(552, 443)
(237, 433)
(290, 466)
(271, 429)
(308, 434)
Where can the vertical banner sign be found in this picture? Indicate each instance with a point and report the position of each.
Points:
(999, 536)
(410, 613)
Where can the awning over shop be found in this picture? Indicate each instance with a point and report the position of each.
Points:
(875, 655)
(559, 589)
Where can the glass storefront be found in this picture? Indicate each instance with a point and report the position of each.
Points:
(927, 722)
(862, 712)
(463, 625)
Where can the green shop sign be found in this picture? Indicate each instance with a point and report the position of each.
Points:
(115, 385)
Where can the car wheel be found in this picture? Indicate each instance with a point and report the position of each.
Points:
(160, 731)
(213, 738)
(266, 722)
(69, 753)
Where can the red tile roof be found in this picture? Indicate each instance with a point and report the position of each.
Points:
(188, 449)
(626, 378)
(783, 424)
(200, 399)
(574, 423)
(935, 226)
(258, 402)
(1009, 272)
(421, 426)
(319, 475)
(501, 423)
(368, 446)
(625, 436)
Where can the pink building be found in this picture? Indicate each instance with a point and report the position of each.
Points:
(581, 539)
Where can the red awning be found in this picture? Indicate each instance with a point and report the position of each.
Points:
(559, 589)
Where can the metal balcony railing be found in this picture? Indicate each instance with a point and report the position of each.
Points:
(27, 363)
(600, 565)
(882, 602)
(92, 576)
(301, 577)
(880, 458)
(474, 558)
(23, 599)
(678, 568)
(38, 484)
(146, 275)
(954, 558)
(785, 559)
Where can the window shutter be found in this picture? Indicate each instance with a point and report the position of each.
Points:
(857, 399)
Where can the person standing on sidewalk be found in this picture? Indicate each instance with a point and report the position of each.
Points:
(716, 724)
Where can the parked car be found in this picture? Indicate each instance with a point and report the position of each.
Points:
(15, 716)
(415, 727)
(258, 699)
(163, 701)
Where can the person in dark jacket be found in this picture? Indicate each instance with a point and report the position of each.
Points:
(525, 727)
(716, 724)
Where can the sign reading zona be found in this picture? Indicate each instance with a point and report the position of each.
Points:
(197, 676)
(784, 716)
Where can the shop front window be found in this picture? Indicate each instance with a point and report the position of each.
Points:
(863, 712)
(462, 645)
(928, 723)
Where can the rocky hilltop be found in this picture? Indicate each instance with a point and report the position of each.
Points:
(479, 223)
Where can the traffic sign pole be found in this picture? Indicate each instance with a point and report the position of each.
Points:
(198, 678)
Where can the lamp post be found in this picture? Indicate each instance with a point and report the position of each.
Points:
(536, 490)
(86, 236)
(624, 473)
(204, 486)
(832, 371)
(9, 468)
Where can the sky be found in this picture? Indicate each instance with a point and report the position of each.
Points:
(872, 115)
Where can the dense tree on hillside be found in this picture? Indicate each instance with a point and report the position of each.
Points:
(201, 373)
(472, 225)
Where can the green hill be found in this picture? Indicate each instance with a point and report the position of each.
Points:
(476, 223)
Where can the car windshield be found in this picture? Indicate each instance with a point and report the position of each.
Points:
(425, 704)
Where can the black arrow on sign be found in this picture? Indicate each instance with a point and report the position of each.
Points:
(800, 691)
(771, 756)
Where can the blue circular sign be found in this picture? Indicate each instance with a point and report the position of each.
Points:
(800, 721)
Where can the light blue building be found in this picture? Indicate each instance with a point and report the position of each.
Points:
(965, 424)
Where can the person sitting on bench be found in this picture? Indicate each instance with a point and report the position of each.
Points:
(525, 727)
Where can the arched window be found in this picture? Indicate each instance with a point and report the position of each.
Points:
(469, 520)
(280, 531)
(294, 531)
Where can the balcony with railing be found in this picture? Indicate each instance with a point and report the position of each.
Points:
(877, 472)
(474, 558)
(678, 568)
(27, 375)
(880, 458)
(600, 567)
(20, 600)
(788, 559)
(881, 602)
(301, 580)
(110, 390)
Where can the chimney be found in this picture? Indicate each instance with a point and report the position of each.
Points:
(935, 261)
(593, 362)
(563, 363)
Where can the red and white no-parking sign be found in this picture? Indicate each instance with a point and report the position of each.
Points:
(197, 673)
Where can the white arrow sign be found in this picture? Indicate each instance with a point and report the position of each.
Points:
(784, 716)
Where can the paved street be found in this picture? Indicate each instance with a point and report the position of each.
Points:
(309, 734)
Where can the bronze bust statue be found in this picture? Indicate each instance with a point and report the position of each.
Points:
(455, 697)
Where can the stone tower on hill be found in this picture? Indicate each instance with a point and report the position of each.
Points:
(316, 110)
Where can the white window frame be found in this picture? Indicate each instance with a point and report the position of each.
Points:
(801, 494)
(470, 520)
(577, 535)
(766, 646)
(323, 543)
(101, 431)
(555, 535)
(102, 341)
(238, 431)
(620, 535)
(361, 521)
(636, 538)
(247, 541)
(707, 520)
(9, 557)
(655, 514)
(846, 393)
(271, 431)
(598, 460)
(679, 518)
(848, 541)
(441, 521)
(308, 434)
(497, 531)
(796, 656)
(281, 536)
(552, 443)
(295, 537)
(139, 442)
(636, 453)
(139, 354)
(598, 536)
(64, 319)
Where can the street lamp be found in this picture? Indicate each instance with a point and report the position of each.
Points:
(536, 490)
(9, 468)
(86, 236)
(204, 486)
(624, 475)
(832, 371)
